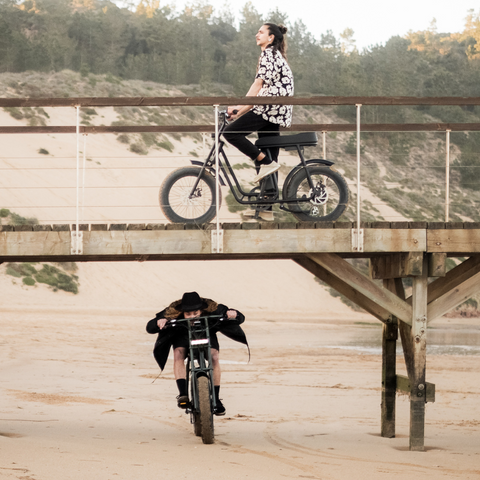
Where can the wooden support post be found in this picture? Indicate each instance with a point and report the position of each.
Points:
(419, 341)
(389, 377)
(389, 370)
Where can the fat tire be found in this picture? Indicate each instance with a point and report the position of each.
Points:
(205, 413)
(197, 425)
(299, 210)
(177, 213)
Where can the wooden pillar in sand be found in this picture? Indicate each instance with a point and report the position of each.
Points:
(418, 339)
(389, 369)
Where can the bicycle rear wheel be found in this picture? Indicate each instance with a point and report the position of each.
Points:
(330, 194)
(206, 413)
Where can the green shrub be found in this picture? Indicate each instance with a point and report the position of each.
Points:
(123, 138)
(16, 219)
(149, 138)
(4, 212)
(351, 146)
(21, 269)
(45, 275)
(241, 166)
(55, 277)
(166, 145)
(13, 272)
(400, 149)
(15, 112)
(138, 149)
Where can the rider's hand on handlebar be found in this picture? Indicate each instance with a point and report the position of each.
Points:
(161, 323)
(231, 314)
(232, 112)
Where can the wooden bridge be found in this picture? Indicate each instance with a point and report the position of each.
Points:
(396, 250)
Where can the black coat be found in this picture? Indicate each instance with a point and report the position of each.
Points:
(230, 328)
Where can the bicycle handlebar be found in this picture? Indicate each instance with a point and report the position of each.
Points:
(179, 321)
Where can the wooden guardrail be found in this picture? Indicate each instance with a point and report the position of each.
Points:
(210, 101)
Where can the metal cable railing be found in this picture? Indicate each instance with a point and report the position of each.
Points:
(86, 163)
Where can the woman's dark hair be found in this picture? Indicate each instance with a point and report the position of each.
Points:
(279, 42)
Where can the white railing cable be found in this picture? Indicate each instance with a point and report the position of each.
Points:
(447, 178)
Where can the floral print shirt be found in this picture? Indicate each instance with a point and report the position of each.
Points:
(277, 79)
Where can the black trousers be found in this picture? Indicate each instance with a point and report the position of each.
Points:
(236, 132)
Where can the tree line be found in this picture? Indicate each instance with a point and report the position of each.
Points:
(200, 46)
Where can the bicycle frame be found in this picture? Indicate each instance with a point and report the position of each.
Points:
(199, 357)
(236, 188)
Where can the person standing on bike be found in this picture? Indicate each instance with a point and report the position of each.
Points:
(191, 306)
(274, 78)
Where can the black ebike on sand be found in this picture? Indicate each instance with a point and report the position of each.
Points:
(202, 403)
(312, 191)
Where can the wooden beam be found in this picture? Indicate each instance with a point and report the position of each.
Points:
(437, 264)
(453, 298)
(403, 385)
(367, 287)
(398, 265)
(419, 340)
(392, 240)
(454, 278)
(466, 241)
(389, 361)
(210, 101)
(192, 242)
(405, 332)
(342, 287)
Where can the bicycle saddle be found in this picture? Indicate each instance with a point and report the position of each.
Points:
(307, 139)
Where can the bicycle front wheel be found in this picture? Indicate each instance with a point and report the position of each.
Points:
(330, 194)
(206, 413)
(181, 203)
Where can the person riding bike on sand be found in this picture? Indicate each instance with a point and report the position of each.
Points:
(191, 306)
(274, 78)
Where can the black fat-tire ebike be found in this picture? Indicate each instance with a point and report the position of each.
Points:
(312, 191)
(202, 403)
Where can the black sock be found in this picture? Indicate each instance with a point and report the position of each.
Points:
(217, 391)
(182, 387)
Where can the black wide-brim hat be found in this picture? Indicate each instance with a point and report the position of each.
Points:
(191, 301)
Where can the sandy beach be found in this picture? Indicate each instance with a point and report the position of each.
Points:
(81, 397)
